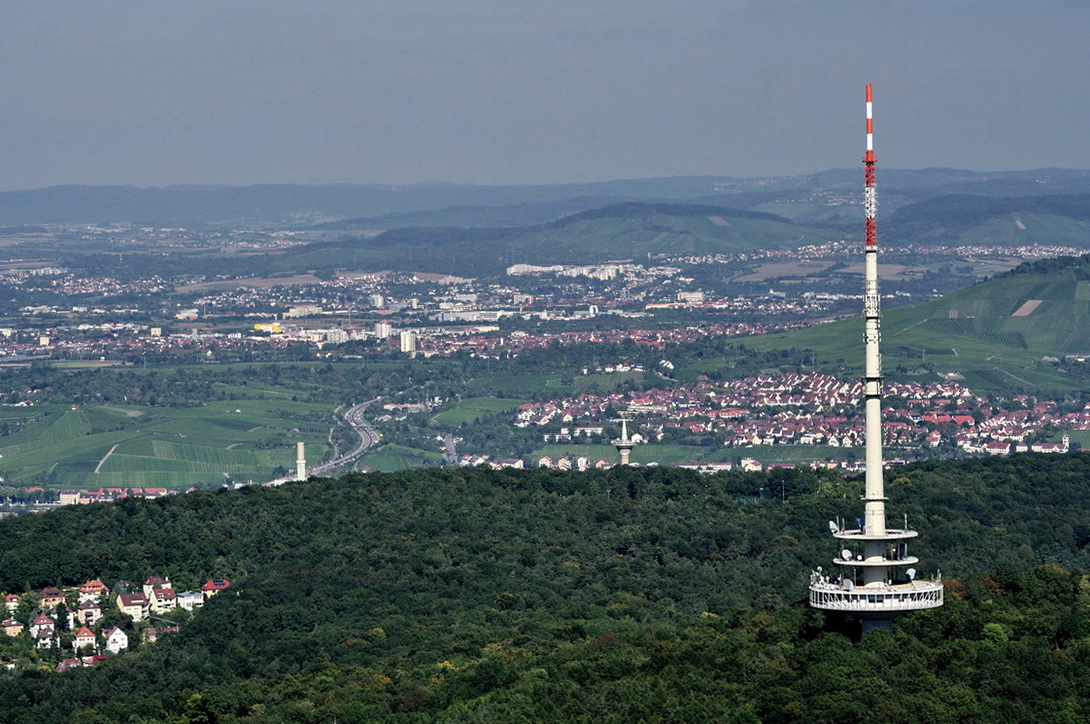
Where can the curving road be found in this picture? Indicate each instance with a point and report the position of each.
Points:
(368, 437)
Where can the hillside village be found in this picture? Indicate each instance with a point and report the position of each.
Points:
(82, 625)
(808, 409)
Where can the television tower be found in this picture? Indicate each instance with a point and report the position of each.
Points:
(872, 586)
(624, 443)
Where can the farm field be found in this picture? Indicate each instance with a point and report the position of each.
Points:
(556, 384)
(391, 458)
(61, 446)
(472, 409)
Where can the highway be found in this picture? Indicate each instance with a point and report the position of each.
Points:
(368, 437)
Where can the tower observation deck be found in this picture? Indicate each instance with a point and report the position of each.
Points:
(876, 581)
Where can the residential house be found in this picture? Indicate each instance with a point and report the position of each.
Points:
(89, 612)
(69, 664)
(84, 637)
(116, 640)
(133, 605)
(92, 590)
(163, 600)
(12, 627)
(51, 598)
(213, 586)
(11, 602)
(190, 600)
(45, 638)
(153, 583)
(41, 621)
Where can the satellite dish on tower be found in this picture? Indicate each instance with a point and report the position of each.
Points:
(846, 554)
(834, 527)
(911, 573)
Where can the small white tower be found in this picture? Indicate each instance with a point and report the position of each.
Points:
(300, 462)
(872, 586)
(624, 443)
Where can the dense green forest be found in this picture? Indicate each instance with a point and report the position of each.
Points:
(625, 595)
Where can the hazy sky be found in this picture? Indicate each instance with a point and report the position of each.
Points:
(154, 92)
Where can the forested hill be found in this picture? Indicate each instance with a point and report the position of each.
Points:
(619, 231)
(618, 596)
(969, 219)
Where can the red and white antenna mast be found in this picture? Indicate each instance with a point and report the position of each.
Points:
(872, 379)
(870, 199)
(874, 589)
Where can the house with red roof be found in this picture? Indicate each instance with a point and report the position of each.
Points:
(41, 621)
(91, 590)
(84, 637)
(153, 583)
(163, 600)
(213, 586)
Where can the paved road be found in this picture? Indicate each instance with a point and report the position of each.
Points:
(368, 437)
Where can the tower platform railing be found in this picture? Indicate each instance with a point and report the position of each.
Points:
(883, 599)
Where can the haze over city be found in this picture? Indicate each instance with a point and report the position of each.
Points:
(495, 91)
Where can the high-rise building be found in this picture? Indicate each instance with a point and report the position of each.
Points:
(875, 579)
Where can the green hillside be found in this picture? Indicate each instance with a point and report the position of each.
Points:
(993, 334)
(629, 595)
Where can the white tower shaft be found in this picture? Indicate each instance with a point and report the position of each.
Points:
(300, 462)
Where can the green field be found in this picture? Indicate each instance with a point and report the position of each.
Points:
(472, 409)
(555, 384)
(91, 447)
(391, 458)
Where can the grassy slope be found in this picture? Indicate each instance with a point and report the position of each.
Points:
(972, 332)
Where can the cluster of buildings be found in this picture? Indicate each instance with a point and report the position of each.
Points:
(810, 409)
(75, 619)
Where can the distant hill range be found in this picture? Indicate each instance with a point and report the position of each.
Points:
(804, 198)
(1006, 333)
(481, 229)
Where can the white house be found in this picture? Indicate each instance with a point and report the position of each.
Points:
(116, 640)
